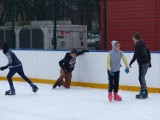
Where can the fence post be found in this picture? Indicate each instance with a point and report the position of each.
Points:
(55, 23)
(105, 24)
(13, 24)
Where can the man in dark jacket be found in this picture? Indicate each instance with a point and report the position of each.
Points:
(143, 57)
(67, 65)
(15, 66)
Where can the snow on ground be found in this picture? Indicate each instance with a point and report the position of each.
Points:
(76, 103)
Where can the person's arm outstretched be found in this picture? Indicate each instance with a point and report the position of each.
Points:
(82, 52)
(125, 62)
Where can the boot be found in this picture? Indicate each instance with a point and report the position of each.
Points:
(58, 83)
(10, 92)
(117, 97)
(55, 85)
(34, 88)
(110, 98)
(142, 95)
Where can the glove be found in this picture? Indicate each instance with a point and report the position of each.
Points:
(111, 72)
(150, 65)
(3, 68)
(127, 70)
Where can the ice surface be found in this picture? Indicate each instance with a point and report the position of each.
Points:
(76, 103)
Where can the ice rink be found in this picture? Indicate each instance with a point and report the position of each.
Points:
(76, 103)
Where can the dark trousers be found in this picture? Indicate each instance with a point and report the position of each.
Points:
(142, 72)
(113, 82)
(20, 71)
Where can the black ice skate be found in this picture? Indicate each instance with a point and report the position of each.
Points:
(34, 88)
(142, 95)
(58, 83)
(10, 92)
(55, 85)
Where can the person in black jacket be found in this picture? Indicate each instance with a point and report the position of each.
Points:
(143, 57)
(15, 66)
(67, 65)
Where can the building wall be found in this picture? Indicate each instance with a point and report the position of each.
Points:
(41, 36)
(124, 17)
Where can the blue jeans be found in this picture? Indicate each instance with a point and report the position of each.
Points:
(20, 71)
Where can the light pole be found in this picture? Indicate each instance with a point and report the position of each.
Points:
(54, 18)
(105, 24)
(13, 24)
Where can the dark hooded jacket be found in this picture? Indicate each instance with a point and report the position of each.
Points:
(141, 53)
(68, 63)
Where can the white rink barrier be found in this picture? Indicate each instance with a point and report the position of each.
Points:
(90, 70)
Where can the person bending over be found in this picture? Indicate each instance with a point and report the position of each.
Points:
(67, 65)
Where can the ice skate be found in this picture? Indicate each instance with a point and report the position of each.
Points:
(142, 95)
(34, 88)
(10, 92)
(117, 97)
(55, 85)
(58, 83)
(110, 98)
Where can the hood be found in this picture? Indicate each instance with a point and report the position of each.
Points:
(113, 43)
(141, 42)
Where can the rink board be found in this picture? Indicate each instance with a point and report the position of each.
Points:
(90, 70)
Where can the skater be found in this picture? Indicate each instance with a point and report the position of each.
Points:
(67, 66)
(113, 66)
(15, 66)
(143, 57)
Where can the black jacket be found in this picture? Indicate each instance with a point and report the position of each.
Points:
(68, 63)
(141, 53)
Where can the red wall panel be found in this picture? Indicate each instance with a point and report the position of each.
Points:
(157, 43)
(124, 17)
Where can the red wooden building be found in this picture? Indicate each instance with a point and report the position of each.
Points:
(124, 17)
